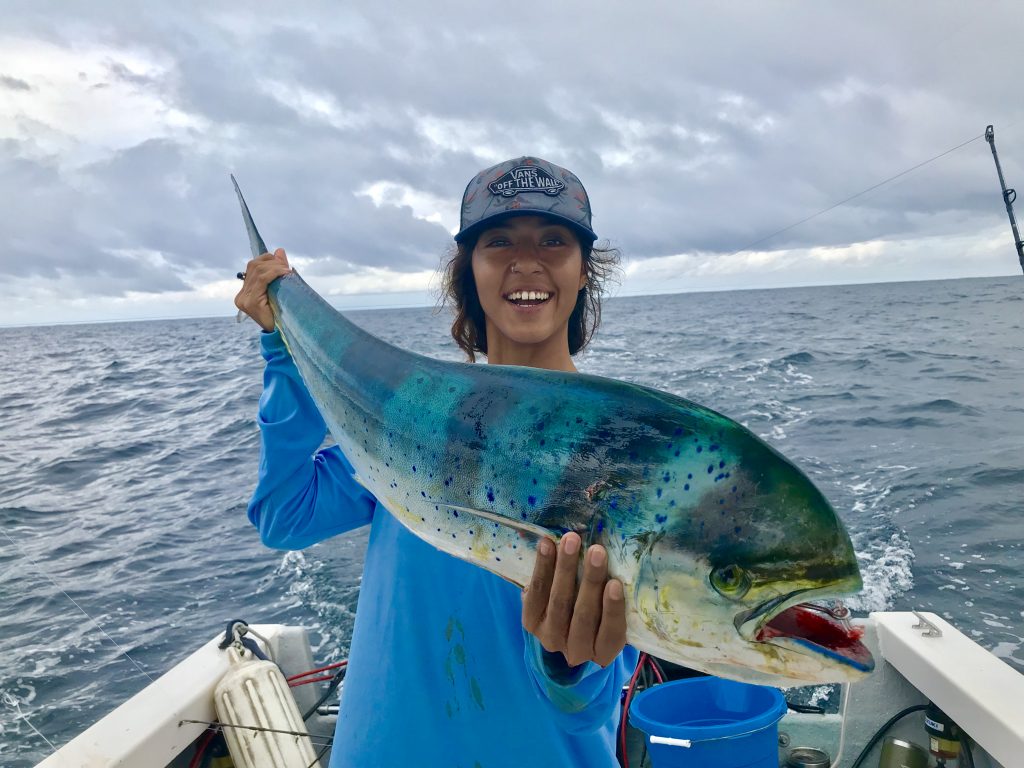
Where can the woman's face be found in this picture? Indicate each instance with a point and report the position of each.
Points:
(528, 272)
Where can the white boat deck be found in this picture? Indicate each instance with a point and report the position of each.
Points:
(980, 692)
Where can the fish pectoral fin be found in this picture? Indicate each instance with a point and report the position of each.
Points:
(526, 529)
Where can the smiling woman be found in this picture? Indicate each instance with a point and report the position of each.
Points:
(445, 655)
(528, 266)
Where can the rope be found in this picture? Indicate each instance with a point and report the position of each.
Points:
(215, 726)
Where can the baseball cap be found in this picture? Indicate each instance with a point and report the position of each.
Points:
(525, 185)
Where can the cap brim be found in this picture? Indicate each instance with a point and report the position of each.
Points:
(476, 228)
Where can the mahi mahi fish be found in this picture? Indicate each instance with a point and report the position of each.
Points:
(719, 540)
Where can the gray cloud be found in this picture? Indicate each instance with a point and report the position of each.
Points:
(696, 127)
(14, 83)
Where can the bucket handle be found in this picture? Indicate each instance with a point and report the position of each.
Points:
(672, 742)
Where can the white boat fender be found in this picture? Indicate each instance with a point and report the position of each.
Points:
(254, 704)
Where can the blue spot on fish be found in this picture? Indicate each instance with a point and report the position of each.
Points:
(532, 500)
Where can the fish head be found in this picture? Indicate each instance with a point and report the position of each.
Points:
(725, 585)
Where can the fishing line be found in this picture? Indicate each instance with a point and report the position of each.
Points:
(12, 702)
(855, 196)
(69, 597)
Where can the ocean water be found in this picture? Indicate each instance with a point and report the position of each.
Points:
(128, 452)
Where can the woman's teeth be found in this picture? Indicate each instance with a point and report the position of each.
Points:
(529, 296)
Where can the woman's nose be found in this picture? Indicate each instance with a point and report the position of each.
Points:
(527, 258)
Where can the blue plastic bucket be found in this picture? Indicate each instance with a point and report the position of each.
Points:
(727, 724)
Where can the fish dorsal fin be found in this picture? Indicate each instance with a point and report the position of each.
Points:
(524, 528)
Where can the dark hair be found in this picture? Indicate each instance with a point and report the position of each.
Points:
(458, 289)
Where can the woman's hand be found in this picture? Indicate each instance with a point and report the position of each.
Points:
(584, 625)
(259, 273)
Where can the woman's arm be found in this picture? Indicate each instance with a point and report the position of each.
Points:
(300, 498)
(583, 698)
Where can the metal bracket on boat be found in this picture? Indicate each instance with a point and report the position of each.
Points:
(930, 630)
(234, 637)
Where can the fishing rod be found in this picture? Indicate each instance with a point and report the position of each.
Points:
(1009, 195)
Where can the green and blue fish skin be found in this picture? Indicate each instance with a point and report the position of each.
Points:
(711, 531)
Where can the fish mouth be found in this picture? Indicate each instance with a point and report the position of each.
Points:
(791, 622)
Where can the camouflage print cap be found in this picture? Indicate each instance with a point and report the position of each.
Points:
(526, 185)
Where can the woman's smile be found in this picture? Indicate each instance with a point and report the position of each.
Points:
(527, 299)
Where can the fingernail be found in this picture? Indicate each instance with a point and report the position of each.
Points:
(571, 544)
(615, 589)
(597, 555)
(545, 547)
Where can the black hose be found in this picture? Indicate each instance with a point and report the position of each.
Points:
(881, 732)
(331, 688)
(807, 709)
(965, 750)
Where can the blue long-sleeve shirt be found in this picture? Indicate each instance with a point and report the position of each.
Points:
(441, 671)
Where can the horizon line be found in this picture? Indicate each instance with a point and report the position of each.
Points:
(608, 297)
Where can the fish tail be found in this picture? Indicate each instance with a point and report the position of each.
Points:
(255, 241)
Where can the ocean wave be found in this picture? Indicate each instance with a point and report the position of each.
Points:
(944, 405)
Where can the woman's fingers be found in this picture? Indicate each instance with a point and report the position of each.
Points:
(611, 635)
(586, 614)
(259, 273)
(535, 596)
(555, 629)
(584, 622)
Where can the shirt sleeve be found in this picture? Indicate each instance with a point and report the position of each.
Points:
(583, 698)
(302, 496)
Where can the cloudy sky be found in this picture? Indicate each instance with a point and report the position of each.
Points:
(698, 128)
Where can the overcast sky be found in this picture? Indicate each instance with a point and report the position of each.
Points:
(697, 127)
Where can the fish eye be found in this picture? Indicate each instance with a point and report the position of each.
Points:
(730, 581)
